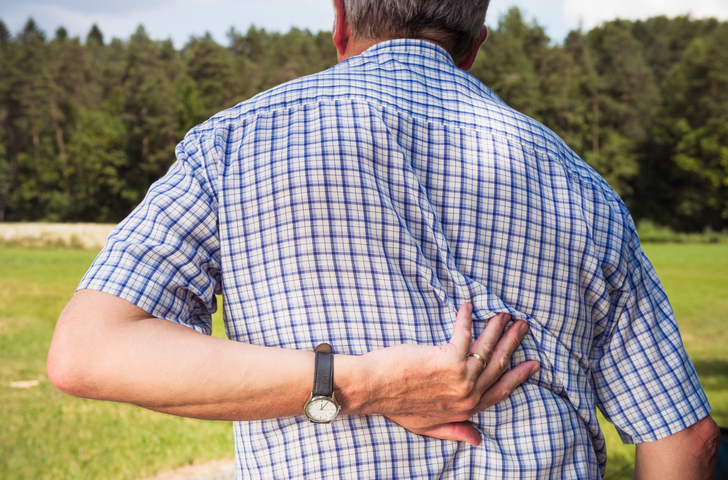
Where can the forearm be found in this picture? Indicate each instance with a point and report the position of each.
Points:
(168, 367)
(105, 348)
(687, 455)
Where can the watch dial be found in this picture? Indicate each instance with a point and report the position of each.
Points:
(321, 410)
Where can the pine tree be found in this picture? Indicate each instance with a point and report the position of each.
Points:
(152, 69)
(512, 60)
(95, 35)
(698, 127)
(211, 68)
(4, 33)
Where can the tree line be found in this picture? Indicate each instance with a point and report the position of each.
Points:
(87, 125)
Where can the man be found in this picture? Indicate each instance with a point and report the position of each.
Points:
(358, 208)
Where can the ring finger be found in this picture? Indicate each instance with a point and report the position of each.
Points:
(483, 347)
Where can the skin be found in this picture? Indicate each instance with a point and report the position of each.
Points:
(690, 454)
(106, 348)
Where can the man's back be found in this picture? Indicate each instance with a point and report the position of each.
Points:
(360, 207)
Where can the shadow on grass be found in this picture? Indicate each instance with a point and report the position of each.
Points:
(712, 368)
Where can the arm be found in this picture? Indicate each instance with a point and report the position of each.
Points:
(109, 349)
(686, 455)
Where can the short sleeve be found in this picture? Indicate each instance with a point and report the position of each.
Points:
(165, 256)
(646, 384)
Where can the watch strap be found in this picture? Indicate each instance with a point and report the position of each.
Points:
(323, 377)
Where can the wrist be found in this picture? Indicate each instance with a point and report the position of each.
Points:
(353, 384)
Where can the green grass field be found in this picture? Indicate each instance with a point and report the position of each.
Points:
(45, 434)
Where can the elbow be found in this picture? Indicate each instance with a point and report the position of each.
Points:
(706, 441)
(713, 441)
(64, 369)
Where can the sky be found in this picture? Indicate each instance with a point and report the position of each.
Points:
(181, 19)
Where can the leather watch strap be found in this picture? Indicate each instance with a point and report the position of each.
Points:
(323, 377)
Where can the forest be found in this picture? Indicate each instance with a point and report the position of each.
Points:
(86, 125)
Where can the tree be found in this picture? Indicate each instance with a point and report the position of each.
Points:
(151, 72)
(29, 147)
(85, 127)
(95, 35)
(702, 158)
(4, 33)
(61, 34)
(570, 101)
(695, 130)
(210, 66)
(512, 60)
(625, 100)
(100, 189)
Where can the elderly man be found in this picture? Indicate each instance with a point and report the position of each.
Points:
(354, 211)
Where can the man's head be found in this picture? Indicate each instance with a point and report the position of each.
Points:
(457, 25)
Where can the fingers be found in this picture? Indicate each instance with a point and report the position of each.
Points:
(485, 344)
(487, 340)
(462, 334)
(501, 355)
(456, 432)
(492, 382)
(505, 385)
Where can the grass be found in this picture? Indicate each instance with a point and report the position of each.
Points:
(650, 232)
(47, 434)
(695, 277)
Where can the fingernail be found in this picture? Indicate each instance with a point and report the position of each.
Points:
(523, 329)
(535, 369)
(469, 307)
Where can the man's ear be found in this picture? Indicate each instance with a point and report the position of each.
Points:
(467, 61)
(342, 35)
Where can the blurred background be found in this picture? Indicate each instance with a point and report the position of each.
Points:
(94, 96)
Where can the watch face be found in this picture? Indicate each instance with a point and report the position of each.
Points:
(321, 409)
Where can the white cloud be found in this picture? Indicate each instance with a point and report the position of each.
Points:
(113, 7)
(175, 19)
(590, 14)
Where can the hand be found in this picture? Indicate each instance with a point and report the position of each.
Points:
(433, 391)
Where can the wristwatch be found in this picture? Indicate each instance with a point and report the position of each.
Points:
(321, 406)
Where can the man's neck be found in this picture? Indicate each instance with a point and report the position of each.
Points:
(356, 46)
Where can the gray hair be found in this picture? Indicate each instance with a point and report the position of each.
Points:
(458, 22)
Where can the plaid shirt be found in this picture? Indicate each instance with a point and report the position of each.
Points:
(361, 207)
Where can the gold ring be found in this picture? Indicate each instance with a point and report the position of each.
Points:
(477, 357)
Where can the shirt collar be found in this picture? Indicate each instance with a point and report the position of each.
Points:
(409, 46)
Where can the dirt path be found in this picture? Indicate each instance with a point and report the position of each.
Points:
(216, 470)
(91, 236)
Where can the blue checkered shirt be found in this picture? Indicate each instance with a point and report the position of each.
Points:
(362, 206)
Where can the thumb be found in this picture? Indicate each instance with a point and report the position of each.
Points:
(456, 431)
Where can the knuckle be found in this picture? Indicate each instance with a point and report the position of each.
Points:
(503, 362)
(514, 342)
(463, 408)
(471, 404)
(487, 351)
(464, 389)
(502, 320)
(504, 391)
(458, 371)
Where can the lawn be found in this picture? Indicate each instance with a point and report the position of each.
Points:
(47, 434)
(695, 277)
